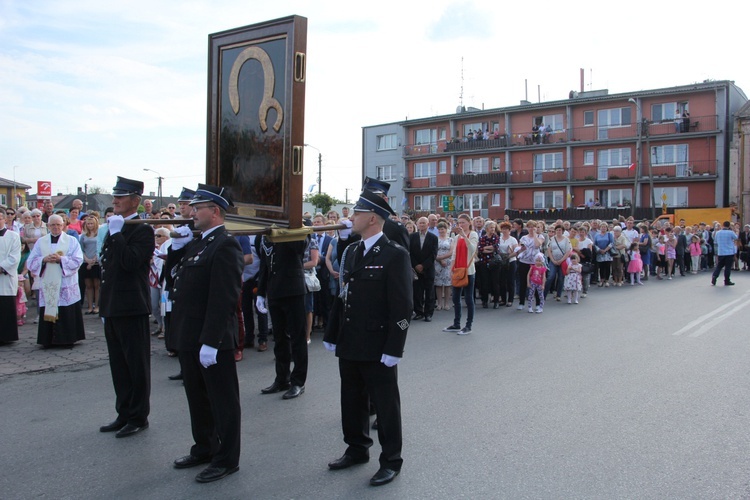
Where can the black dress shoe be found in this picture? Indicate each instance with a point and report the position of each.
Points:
(293, 392)
(728, 283)
(112, 427)
(428, 319)
(274, 388)
(175, 377)
(131, 429)
(347, 461)
(383, 476)
(417, 317)
(190, 461)
(215, 473)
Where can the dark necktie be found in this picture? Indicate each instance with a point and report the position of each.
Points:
(359, 253)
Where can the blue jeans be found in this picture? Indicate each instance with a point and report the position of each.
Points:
(555, 272)
(469, 298)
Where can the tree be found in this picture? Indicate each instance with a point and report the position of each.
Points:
(322, 201)
(97, 190)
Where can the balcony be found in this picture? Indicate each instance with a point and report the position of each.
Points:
(424, 149)
(479, 179)
(453, 147)
(691, 169)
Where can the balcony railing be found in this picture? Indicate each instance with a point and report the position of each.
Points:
(479, 179)
(707, 123)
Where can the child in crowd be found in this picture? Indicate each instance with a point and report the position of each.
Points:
(535, 282)
(20, 301)
(636, 264)
(704, 255)
(695, 254)
(573, 280)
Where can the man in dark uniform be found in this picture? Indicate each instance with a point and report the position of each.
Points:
(186, 196)
(125, 305)
(206, 291)
(367, 330)
(281, 290)
(394, 230)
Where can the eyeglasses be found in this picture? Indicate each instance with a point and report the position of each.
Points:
(171, 208)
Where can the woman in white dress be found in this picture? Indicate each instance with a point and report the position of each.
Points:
(443, 268)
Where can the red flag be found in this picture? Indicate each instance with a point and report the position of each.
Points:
(632, 166)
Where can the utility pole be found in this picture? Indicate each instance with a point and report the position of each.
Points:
(320, 167)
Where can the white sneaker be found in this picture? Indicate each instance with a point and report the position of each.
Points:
(576, 302)
(520, 307)
(539, 309)
(531, 310)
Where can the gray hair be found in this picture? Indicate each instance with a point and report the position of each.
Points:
(162, 231)
(55, 218)
(36, 211)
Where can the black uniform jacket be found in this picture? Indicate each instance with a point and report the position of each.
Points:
(125, 261)
(374, 315)
(206, 291)
(281, 273)
(425, 255)
(394, 230)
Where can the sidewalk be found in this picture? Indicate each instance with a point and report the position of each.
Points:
(27, 356)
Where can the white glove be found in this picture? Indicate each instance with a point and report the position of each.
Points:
(186, 236)
(260, 303)
(329, 346)
(208, 355)
(345, 233)
(389, 361)
(115, 224)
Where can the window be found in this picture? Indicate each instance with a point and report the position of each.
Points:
(588, 157)
(442, 133)
(388, 141)
(471, 127)
(495, 199)
(476, 166)
(475, 201)
(425, 136)
(424, 169)
(385, 173)
(548, 162)
(424, 202)
(610, 118)
(496, 164)
(3, 200)
(676, 196)
(548, 199)
(671, 154)
(555, 122)
(588, 118)
(619, 197)
(666, 110)
(614, 158)
(443, 167)
(588, 197)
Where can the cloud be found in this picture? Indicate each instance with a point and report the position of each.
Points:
(461, 21)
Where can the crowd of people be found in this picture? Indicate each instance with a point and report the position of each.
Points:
(361, 277)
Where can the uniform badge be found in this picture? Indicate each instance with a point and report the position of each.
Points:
(376, 249)
(403, 324)
(195, 259)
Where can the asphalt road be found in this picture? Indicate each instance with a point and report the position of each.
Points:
(637, 392)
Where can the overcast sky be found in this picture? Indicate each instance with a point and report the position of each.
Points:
(92, 89)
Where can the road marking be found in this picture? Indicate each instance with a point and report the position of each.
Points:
(713, 314)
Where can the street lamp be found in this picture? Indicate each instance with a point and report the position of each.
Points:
(320, 166)
(160, 178)
(15, 201)
(86, 195)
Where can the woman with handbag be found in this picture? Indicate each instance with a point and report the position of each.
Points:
(603, 243)
(619, 257)
(558, 251)
(488, 265)
(529, 245)
(464, 249)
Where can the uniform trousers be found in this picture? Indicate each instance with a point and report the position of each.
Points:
(129, 346)
(290, 340)
(360, 381)
(213, 396)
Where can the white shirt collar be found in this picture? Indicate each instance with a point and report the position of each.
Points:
(209, 231)
(369, 242)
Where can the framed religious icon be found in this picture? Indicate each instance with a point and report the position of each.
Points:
(256, 114)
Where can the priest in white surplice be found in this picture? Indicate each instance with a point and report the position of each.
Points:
(56, 258)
